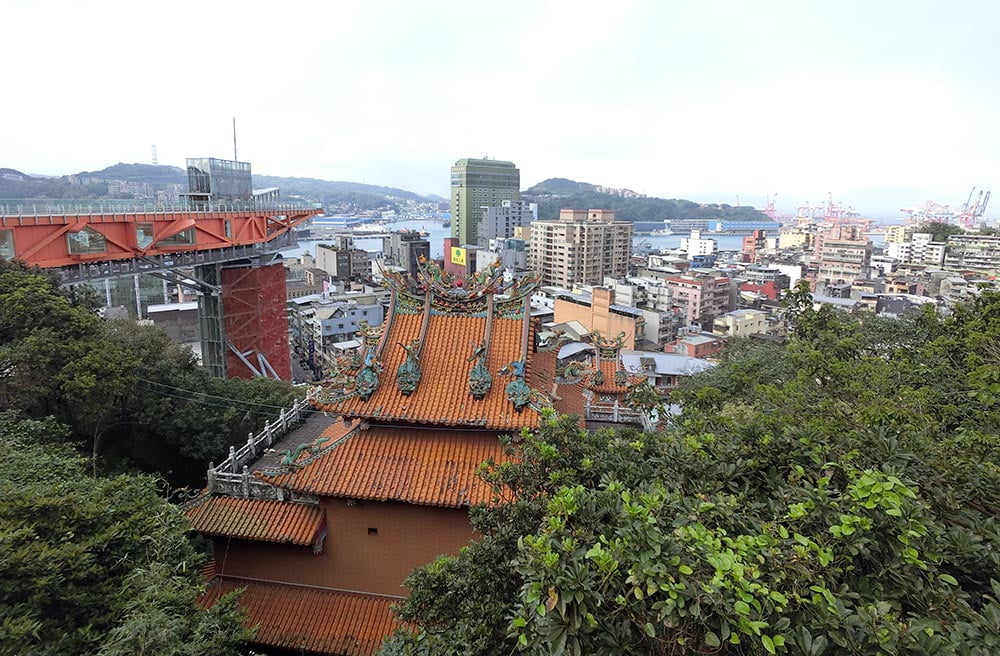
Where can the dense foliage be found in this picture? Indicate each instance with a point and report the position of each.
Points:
(557, 193)
(939, 231)
(836, 496)
(96, 566)
(131, 398)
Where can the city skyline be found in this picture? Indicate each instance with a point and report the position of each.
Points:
(884, 106)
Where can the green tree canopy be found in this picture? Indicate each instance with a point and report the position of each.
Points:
(131, 398)
(940, 231)
(92, 566)
(836, 496)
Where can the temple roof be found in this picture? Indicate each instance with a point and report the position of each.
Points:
(452, 352)
(612, 378)
(419, 466)
(311, 619)
(442, 396)
(256, 519)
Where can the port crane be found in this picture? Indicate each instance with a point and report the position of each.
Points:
(966, 216)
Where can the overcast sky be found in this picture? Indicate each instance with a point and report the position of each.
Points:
(885, 104)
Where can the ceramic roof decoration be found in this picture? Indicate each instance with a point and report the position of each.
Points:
(427, 321)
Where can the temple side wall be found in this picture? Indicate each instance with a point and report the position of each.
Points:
(353, 558)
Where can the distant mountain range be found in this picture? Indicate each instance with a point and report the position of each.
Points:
(93, 184)
(551, 195)
(557, 193)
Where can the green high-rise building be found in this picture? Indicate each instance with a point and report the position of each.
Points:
(475, 184)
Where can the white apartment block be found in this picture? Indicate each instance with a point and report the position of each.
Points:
(919, 250)
(695, 245)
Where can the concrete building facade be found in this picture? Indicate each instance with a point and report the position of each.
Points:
(976, 252)
(475, 184)
(701, 295)
(501, 221)
(741, 323)
(405, 248)
(599, 312)
(843, 254)
(343, 261)
(694, 245)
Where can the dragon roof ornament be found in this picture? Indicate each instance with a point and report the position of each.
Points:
(609, 348)
(408, 374)
(518, 391)
(454, 294)
(480, 379)
(367, 379)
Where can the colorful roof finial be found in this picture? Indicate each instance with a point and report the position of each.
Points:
(480, 379)
(408, 374)
(368, 376)
(609, 348)
(518, 391)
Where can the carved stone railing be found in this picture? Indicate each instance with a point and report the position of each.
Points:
(616, 413)
(232, 477)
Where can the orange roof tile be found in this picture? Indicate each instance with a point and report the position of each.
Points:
(256, 519)
(421, 466)
(443, 397)
(311, 619)
(609, 368)
(567, 398)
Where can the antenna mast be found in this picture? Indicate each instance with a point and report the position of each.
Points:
(235, 158)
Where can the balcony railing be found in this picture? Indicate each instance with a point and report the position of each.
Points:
(74, 207)
(233, 477)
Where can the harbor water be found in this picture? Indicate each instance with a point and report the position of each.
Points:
(436, 234)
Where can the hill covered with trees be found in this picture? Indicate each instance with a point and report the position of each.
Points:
(557, 193)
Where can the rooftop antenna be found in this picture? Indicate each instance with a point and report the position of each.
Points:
(155, 161)
(235, 158)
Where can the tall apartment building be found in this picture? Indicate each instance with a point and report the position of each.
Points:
(500, 221)
(475, 184)
(843, 254)
(978, 252)
(582, 247)
(703, 296)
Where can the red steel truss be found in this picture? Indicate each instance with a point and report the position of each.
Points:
(42, 239)
(256, 325)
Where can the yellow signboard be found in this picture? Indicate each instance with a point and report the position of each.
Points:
(457, 255)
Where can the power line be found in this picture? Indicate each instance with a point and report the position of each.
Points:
(214, 396)
(207, 402)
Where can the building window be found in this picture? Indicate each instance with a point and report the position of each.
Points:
(182, 238)
(7, 244)
(85, 242)
(372, 531)
(143, 234)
